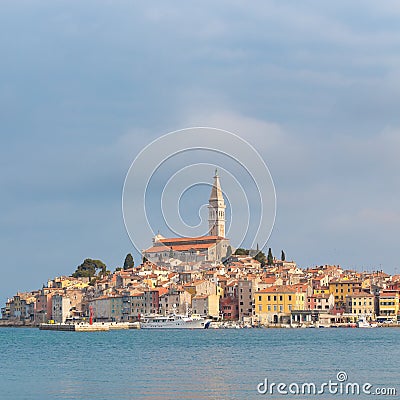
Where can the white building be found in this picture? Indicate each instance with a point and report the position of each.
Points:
(61, 307)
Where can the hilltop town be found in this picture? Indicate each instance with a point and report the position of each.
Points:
(204, 275)
(240, 289)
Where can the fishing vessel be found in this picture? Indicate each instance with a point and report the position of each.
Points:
(174, 321)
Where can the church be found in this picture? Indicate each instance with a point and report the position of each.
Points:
(210, 248)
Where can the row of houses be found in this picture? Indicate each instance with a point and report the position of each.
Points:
(240, 289)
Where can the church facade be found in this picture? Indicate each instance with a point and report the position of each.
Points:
(211, 248)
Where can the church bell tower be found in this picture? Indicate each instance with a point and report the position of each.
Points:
(216, 209)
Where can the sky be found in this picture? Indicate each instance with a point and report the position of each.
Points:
(85, 86)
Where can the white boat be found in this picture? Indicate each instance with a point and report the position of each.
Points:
(363, 323)
(174, 321)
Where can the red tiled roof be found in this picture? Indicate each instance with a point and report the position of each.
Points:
(279, 289)
(268, 280)
(197, 238)
(362, 294)
(184, 247)
(389, 293)
(161, 290)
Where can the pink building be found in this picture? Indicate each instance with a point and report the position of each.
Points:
(229, 308)
(324, 302)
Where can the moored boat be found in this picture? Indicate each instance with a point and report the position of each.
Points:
(174, 321)
(363, 323)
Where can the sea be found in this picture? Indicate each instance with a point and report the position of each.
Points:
(200, 364)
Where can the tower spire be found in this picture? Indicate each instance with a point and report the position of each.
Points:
(216, 209)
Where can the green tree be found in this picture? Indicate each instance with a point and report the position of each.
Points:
(241, 252)
(145, 259)
(270, 258)
(260, 257)
(89, 268)
(283, 256)
(129, 263)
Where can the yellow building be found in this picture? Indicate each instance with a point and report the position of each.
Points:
(213, 305)
(151, 282)
(360, 305)
(389, 304)
(207, 305)
(275, 304)
(80, 285)
(340, 288)
(220, 292)
(321, 290)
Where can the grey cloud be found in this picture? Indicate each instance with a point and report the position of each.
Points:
(314, 86)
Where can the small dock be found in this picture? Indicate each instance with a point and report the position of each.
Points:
(85, 327)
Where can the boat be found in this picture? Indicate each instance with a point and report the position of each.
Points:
(87, 327)
(363, 323)
(174, 321)
(230, 325)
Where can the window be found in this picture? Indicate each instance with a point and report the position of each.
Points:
(280, 298)
(290, 298)
(274, 298)
(280, 308)
(269, 298)
(274, 308)
(269, 308)
(260, 307)
(259, 298)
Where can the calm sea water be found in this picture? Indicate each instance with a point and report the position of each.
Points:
(173, 364)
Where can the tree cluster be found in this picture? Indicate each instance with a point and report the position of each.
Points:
(242, 252)
(90, 268)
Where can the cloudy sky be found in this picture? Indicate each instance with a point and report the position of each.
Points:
(84, 86)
